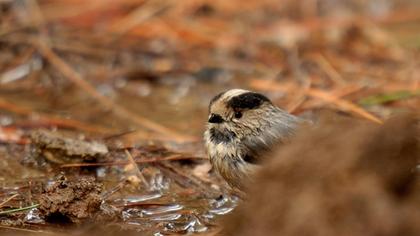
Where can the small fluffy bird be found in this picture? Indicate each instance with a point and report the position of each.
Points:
(242, 127)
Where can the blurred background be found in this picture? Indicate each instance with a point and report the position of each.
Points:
(145, 71)
(152, 66)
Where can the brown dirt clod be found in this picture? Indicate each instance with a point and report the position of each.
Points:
(70, 201)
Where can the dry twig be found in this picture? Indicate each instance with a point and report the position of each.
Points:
(8, 199)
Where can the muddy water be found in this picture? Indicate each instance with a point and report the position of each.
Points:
(179, 104)
(168, 205)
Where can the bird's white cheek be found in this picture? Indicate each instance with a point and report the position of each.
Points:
(223, 149)
(218, 152)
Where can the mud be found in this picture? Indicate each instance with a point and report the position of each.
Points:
(67, 201)
(59, 149)
(50, 148)
(344, 177)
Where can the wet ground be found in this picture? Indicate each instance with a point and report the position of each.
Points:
(153, 196)
(126, 146)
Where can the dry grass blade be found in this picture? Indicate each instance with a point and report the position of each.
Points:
(8, 200)
(60, 9)
(316, 93)
(138, 172)
(338, 93)
(329, 69)
(76, 78)
(18, 209)
(343, 104)
(8, 106)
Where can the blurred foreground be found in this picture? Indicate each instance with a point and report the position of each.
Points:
(343, 177)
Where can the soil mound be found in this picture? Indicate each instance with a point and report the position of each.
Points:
(342, 177)
(70, 201)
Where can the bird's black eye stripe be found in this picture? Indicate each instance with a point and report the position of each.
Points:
(248, 100)
(215, 118)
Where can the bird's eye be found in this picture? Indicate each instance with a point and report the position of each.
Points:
(238, 114)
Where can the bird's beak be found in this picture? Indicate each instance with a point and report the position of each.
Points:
(215, 118)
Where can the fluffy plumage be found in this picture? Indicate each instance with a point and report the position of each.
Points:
(242, 126)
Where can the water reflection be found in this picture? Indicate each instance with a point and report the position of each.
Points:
(184, 217)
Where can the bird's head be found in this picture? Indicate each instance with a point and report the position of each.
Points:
(239, 112)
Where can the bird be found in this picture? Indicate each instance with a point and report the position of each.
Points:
(242, 127)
